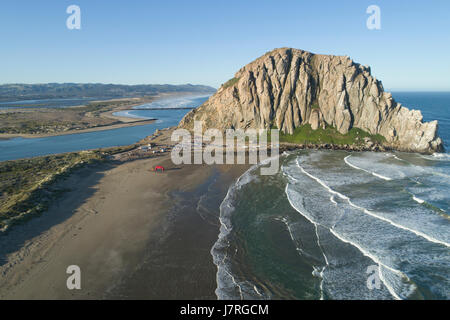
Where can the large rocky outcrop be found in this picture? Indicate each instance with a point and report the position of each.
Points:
(289, 87)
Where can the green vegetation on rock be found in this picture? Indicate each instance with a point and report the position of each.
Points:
(305, 135)
(230, 82)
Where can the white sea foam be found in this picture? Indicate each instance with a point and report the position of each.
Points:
(318, 242)
(411, 169)
(326, 263)
(398, 256)
(129, 114)
(288, 227)
(332, 200)
(257, 291)
(380, 264)
(224, 275)
(371, 213)
(372, 173)
(179, 102)
(397, 158)
(437, 157)
(418, 200)
(361, 249)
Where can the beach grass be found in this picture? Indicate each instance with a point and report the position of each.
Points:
(27, 185)
(60, 120)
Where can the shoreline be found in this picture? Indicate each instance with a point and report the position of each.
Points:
(125, 121)
(132, 232)
(287, 146)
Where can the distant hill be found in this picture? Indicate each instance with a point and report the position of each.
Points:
(92, 90)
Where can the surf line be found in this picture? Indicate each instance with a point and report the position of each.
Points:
(370, 213)
(231, 276)
(372, 173)
(401, 274)
(332, 200)
(224, 218)
(326, 262)
(286, 223)
(418, 199)
(224, 232)
(364, 252)
(321, 273)
(437, 157)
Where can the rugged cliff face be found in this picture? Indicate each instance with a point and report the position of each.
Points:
(288, 88)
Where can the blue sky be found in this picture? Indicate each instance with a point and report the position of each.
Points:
(206, 42)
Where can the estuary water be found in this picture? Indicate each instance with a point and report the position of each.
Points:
(166, 116)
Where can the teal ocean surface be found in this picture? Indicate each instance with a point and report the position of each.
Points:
(339, 225)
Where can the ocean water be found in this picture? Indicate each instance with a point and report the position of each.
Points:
(340, 225)
(19, 148)
(433, 105)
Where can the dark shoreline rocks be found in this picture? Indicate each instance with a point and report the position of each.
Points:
(329, 146)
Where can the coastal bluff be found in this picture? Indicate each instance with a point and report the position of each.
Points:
(288, 88)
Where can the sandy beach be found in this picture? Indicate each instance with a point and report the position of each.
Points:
(134, 233)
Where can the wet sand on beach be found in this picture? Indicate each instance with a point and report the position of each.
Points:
(134, 233)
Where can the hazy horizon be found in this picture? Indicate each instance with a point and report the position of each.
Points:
(206, 42)
(196, 84)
